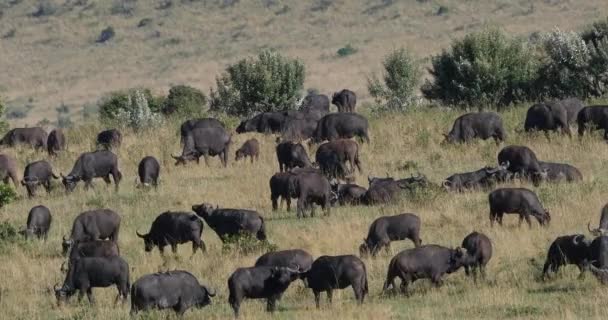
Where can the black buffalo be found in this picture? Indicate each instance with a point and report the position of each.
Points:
(55, 142)
(479, 250)
(97, 164)
(94, 248)
(231, 222)
(517, 200)
(483, 178)
(93, 225)
(522, 161)
(350, 194)
(295, 259)
(385, 190)
(148, 171)
(328, 273)
(345, 100)
(315, 103)
(35, 137)
(424, 262)
(603, 228)
(573, 106)
(299, 129)
(341, 125)
(598, 258)
(38, 173)
(95, 272)
(291, 155)
(259, 283)
(266, 122)
(310, 188)
(251, 149)
(108, 139)
(479, 125)
(189, 125)
(8, 169)
(178, 290)
(279, 188)
(547, 117)
(558, 172)
(564, 250)
(173, 228)
(593, 118)
(205, 142)
(333, 155)
(38, 223)
(390, 228)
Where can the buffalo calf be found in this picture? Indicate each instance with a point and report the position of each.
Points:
(38, 222)
(517, 200)
(479, 250)
(251, 149)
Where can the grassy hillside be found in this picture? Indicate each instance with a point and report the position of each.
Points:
(50, 55)
(401, 145)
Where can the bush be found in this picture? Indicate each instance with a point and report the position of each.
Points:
(595, 33)
(7, 194)
(486, 68)
(184, 100)
(401, 78)
(105, 35)
(269, 82)
(246, 243)
(8, 232)
(3, 124)
(135, 108)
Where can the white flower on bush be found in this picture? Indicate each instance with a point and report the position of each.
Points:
(566, 48)
(138, 115)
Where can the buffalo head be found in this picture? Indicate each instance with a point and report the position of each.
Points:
(205, 297)
(69, 182)
(62, 293)
(148, 243)
(203, 210)
(459, 258)
(365, 248)
(285, 275)
(238, 155)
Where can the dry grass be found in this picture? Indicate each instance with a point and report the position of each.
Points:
(54, 59)
(512, 290)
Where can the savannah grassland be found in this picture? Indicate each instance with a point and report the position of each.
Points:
(52, 60)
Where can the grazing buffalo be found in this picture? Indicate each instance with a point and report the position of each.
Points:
(189, 125)
(479, 125)
(55, 142)
(573, 106)
(347, 194)
(95, 272)
(295, 259)
(8, 169)
(38, 173)
(598, 258)
(332, 156)
(205, 142)
(108, 139)
(345, 100)
(315, 103)
(571, 249)
(517, 200)
(310, 188)
(385, 190)
(390, 228)
(547, 117)
(266, 122)
(341, 125)
(279, 188)
(177, 289)
(424, 262)
(148, 171)
(603, 228)
(483, 178)
(251, 149)
(593, 118)
(299, 129)
(93, 225)
(522, 160)
(479, 250)
(173, 228)
(291, 155)
(35, 137)
(328, 273)
(94, 248)
(259, 283)
(38, 223)
(96, 164)
(231, 222)
(558, 172)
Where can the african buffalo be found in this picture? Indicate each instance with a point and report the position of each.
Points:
(517, 200)
(96, 164)
(547, 117)
(345, 100)
(266, 122)
(38, 173)
(148, 171)
(38, 223)
(350, 194)
(35, 137)
(108, 139)
(573, 106)
(8, 169)
(279, 188)
(205, 142)
(93, 225)
(571, 249)
(483, 178)
(310, 188)
(177, 289)
(299, 129)
(603, 228)
(296, 259)
(424, 262)
(259, 283)
(522, 160)
(231, 222)
(593, 118)
(598, 258)
(173, 228)
(55, 142)
(332, 157)
(315, 103)
(94, 248)
(95, 272)
(189, 125)
(341, 125)
(479, 250)
(478, 125)
(557, 172)
(385, 190)
(328, 273)
(291, 155)
(251, 149)
(390, 228)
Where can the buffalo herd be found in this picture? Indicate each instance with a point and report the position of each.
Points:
(92, 251)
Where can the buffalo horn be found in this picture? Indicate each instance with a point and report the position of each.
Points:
(593, 231)
(176, 157)
(139, 234)
(210, 292)
(56, 287)
(576, 240)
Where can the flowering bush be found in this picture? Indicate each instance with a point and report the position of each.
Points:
(129, 109)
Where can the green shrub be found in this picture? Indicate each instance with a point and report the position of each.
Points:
(8, 233)
(135, 108)
(184, 100)
(485, 68)
(7, 194)
(400, 80)
(246, 243)
(346, 51)
(3, 124)
(595, 33)
(269, 82)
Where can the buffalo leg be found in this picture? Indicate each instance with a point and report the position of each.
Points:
(288, 201)
(317, 298)
(482, 271)
(528, 220)
(275, 204)
(206, 159)
(301, 206)
(174, 248)
(492, 218)
(466, 270)
(271, 304)
(107, 180)
(88, 184)
(330, 296)
(359, 292)
(90, 295)
(235, 303)
(436, 279)
(47, 186)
